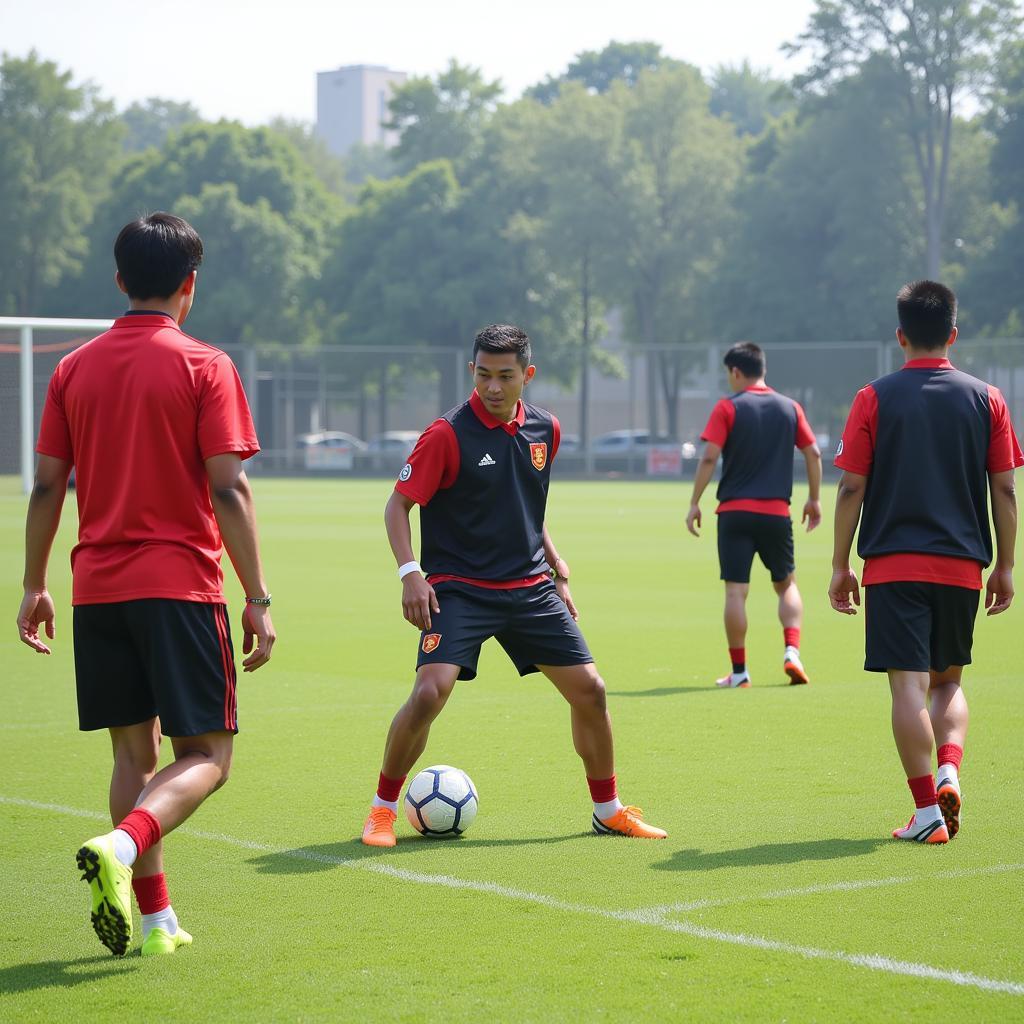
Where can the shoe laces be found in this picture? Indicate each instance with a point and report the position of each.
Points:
(633, 813)
(381, 815)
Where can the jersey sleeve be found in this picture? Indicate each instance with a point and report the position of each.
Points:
(556, 436)
(433, 465)
(856, 451)
(1004, 451)
(720, 422)
(54, 432)
(804, 435)
(225, 422)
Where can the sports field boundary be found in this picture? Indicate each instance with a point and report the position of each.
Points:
(654, 917)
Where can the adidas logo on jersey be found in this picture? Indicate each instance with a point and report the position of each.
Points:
(487, 461)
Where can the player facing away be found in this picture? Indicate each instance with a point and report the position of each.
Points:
(920, 449)
(480, 475)
(156, 425)
(755, 431)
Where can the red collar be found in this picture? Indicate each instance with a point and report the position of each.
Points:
(146, 319)
(759, 388)
(483, 414)
(927, 364)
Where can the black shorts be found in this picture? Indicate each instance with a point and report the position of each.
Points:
(532, 624)
(135, 660)
(741, 535)
(915, 627)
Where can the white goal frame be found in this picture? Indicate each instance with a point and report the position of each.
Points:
(26, 327)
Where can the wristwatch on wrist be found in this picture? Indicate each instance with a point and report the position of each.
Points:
(265, 601)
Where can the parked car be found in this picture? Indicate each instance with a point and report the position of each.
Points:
(330, 449)
(399, 442)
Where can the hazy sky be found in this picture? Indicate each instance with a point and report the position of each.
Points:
(255, 60)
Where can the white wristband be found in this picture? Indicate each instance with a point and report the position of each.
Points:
(408, 567)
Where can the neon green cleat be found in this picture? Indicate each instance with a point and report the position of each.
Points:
(110, 883)
(159, 941)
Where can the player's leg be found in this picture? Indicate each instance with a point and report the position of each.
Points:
(584, 691)
(949, 715)
(736, 549)
(791, 613)
(898, 624)
(405, 743)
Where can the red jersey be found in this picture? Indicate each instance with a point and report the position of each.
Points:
(137, 411)
(435, 463)
(856, 454)
(720, 426)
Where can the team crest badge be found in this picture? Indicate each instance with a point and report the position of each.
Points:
(431, 642)
(539, 455)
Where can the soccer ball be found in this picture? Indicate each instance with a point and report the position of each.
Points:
(441, 801)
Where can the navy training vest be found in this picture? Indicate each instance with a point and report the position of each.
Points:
(927, 488)
(489, 524)
(757, 460)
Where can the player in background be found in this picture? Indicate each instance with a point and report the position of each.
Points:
(480, 475)
(157, 426)
(755, 431)
(920, 449)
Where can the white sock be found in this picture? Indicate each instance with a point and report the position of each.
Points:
(377, 802)
(948, 771)
(926, 815)
(739, 677)
(125, 849)
(792, 654)
(610, 807)
(165, 919)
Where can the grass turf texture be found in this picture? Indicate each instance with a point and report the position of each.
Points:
(762, 791)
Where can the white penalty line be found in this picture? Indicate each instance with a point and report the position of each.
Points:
(653, 918)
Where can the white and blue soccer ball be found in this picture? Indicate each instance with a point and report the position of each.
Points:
(441, 801)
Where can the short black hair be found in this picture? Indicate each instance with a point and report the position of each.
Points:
(748, 358)
(500, 338)
(927, 312)
(155, 253)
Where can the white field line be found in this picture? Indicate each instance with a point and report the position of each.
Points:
(813, 890)
(649, 918)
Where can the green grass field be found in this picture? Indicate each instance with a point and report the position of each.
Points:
(777, 897)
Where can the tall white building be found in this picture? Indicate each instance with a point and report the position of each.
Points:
(352, 106)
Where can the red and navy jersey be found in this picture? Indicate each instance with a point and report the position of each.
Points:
(482, 487)
(757, 430)
(926, 437)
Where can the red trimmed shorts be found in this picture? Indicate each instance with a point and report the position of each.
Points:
(155, 657)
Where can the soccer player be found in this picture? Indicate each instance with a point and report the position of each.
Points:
(157, 426)
(755, 431)
(480, 475)
(920, 448)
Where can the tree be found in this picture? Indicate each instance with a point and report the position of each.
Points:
(57, 143)
(596, 70)
(441, 118)
(748, 96)
(149, 123)
(936, 52)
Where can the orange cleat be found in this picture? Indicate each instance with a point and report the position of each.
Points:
(949, 804)
(933, 833)
(627, 822)
(379, 829)
(796, 672)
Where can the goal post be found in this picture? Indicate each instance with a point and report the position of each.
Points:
(26, 348)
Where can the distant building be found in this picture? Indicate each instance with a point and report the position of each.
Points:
(352, 106)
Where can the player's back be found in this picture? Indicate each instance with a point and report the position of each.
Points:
(141, 418)
(758, 455)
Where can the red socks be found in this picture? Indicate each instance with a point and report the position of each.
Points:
(602, 791)
(143, 827)
(951, 753)
(738, 657)
(389, 789)
(923, 790)
(791, 635)
(151, 892)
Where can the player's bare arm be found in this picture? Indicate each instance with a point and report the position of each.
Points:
(844, 590)
(561, 570)
(233, 506)
(705, 471)
(999, 591)
(418, 598)
(812, 507)
(41, 522)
